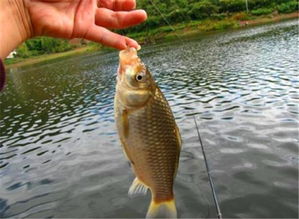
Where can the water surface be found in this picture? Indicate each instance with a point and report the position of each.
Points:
(60, 155)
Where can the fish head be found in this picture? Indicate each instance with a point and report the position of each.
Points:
(135, 84)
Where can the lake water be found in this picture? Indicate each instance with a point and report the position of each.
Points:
(60, 155)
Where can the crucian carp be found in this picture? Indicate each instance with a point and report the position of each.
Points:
(148, 133)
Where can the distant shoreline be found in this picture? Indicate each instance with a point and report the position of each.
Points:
(162, 33)
(209, 26)
(19, 62)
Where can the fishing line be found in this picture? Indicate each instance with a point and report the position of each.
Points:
(219, 215)
(166, 21)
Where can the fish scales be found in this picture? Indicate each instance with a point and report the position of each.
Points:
(148, 133)
(150, 143)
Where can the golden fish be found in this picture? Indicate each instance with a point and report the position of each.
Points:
(148, 133)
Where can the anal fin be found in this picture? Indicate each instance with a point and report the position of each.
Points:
(137, 187)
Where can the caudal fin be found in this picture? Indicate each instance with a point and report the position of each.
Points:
(164, 209)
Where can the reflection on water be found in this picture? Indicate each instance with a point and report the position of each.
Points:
(60, 155)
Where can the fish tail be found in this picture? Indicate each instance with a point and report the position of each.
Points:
(164, 209)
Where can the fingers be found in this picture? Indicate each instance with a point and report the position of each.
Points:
(115, 14)
(132, 43)
(108, 38)
(117, 5)
(110, 19)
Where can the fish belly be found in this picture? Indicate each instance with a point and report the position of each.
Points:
(151, 143)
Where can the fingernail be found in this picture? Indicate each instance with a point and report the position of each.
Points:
(138, 47)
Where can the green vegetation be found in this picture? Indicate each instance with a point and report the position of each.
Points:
(178, 11)
(287, 7)
(42, 45)
(183, 15)
(19, 61)
(262, 11)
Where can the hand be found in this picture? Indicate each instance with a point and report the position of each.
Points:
(88, 19)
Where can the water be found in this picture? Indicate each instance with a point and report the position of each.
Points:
(60, 155)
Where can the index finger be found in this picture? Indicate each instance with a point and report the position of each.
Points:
(108, 38)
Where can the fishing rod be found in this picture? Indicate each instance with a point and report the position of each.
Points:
(219, 215)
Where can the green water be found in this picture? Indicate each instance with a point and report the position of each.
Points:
(60, 155)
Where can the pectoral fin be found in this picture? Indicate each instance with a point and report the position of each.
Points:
(125, 123)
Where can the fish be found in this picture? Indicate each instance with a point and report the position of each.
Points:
(148, 133)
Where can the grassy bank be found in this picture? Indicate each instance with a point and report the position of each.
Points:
(236, 20)
(18, 62)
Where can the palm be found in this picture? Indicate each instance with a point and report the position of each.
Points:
(83, 19)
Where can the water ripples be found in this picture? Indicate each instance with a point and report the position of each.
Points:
(60, 155)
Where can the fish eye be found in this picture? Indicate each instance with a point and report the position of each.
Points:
(139, 77)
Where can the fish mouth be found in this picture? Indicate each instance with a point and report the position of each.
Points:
(127, 58)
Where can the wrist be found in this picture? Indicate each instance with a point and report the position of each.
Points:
(15, 25)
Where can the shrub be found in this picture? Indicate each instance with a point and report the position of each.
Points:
(42, 45)
(23, 51)
(177, 15)
(262, 11)
(232, 5)
(154, 21)
(51, 45)
(255, 4)
(182, 3)
(287, 7)
(203, 9)
(34, 44)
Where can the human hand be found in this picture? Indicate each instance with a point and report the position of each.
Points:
(88, 19)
